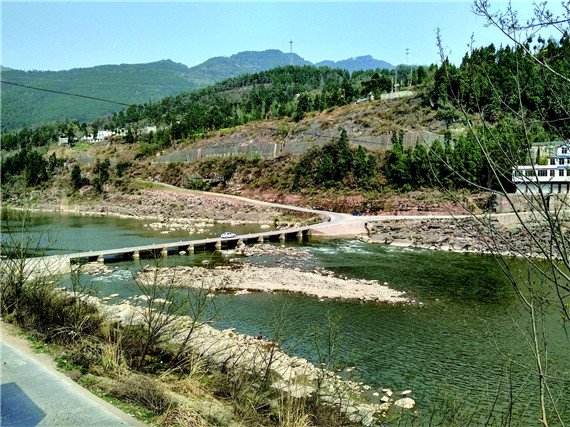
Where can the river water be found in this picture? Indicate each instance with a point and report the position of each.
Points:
(446, 348)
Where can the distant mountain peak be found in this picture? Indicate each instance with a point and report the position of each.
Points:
(364, 62)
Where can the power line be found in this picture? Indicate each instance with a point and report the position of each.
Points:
(65, 93)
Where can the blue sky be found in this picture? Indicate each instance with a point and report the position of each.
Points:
(64, 35)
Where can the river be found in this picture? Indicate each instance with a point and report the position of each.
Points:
(446, 348)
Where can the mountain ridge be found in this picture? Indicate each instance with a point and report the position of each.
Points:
(133, 84)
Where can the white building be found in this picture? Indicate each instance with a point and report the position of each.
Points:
(552, 178)
(148, 129)
(101, 135)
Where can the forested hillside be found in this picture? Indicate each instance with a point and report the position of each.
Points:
(491, 84)
(130, 84)
(496, 82)
(121, 83)
(289, 91)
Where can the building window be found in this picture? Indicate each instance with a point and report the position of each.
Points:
(552, 161)
(542, 172)
(528, 173)
(552, 172)
(564, 150)
(561, 172)
(561, 161)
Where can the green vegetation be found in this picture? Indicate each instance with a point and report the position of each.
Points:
(335, 165)
(101, 172)
(484, 83)
(27, 138)
(122, 83)
(131, 84)
(30, 166)
(475, 90)
(339, 168)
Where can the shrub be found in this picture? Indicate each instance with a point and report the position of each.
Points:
(143, 390)
(122, 167)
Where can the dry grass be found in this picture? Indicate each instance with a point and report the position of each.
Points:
(145, 390)
(112, 359)
(181, 416)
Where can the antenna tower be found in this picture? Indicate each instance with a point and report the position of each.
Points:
(291, 53)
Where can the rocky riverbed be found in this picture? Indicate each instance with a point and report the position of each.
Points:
(462, 235)
(295, 376)
(170, 208)
(242, 278)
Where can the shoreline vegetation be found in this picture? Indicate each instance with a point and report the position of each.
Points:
(228, 350)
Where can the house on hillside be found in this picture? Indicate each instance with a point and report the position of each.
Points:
(148, 129)
(552, 177)
(101, 135)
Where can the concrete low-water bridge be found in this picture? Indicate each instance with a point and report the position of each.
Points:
(190, 246)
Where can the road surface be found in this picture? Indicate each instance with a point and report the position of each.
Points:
(36, 394)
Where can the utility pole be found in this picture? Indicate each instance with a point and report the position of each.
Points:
(291, 53)
(408, 64)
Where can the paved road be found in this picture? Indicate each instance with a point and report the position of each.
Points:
(33, 394)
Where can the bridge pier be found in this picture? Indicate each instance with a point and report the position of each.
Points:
(164, 252)
(240, 247)
(101, 259)
(300, 236)
(218, 245)
(136, 255)
(191, 248)
(282, 237)
(260, 239)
